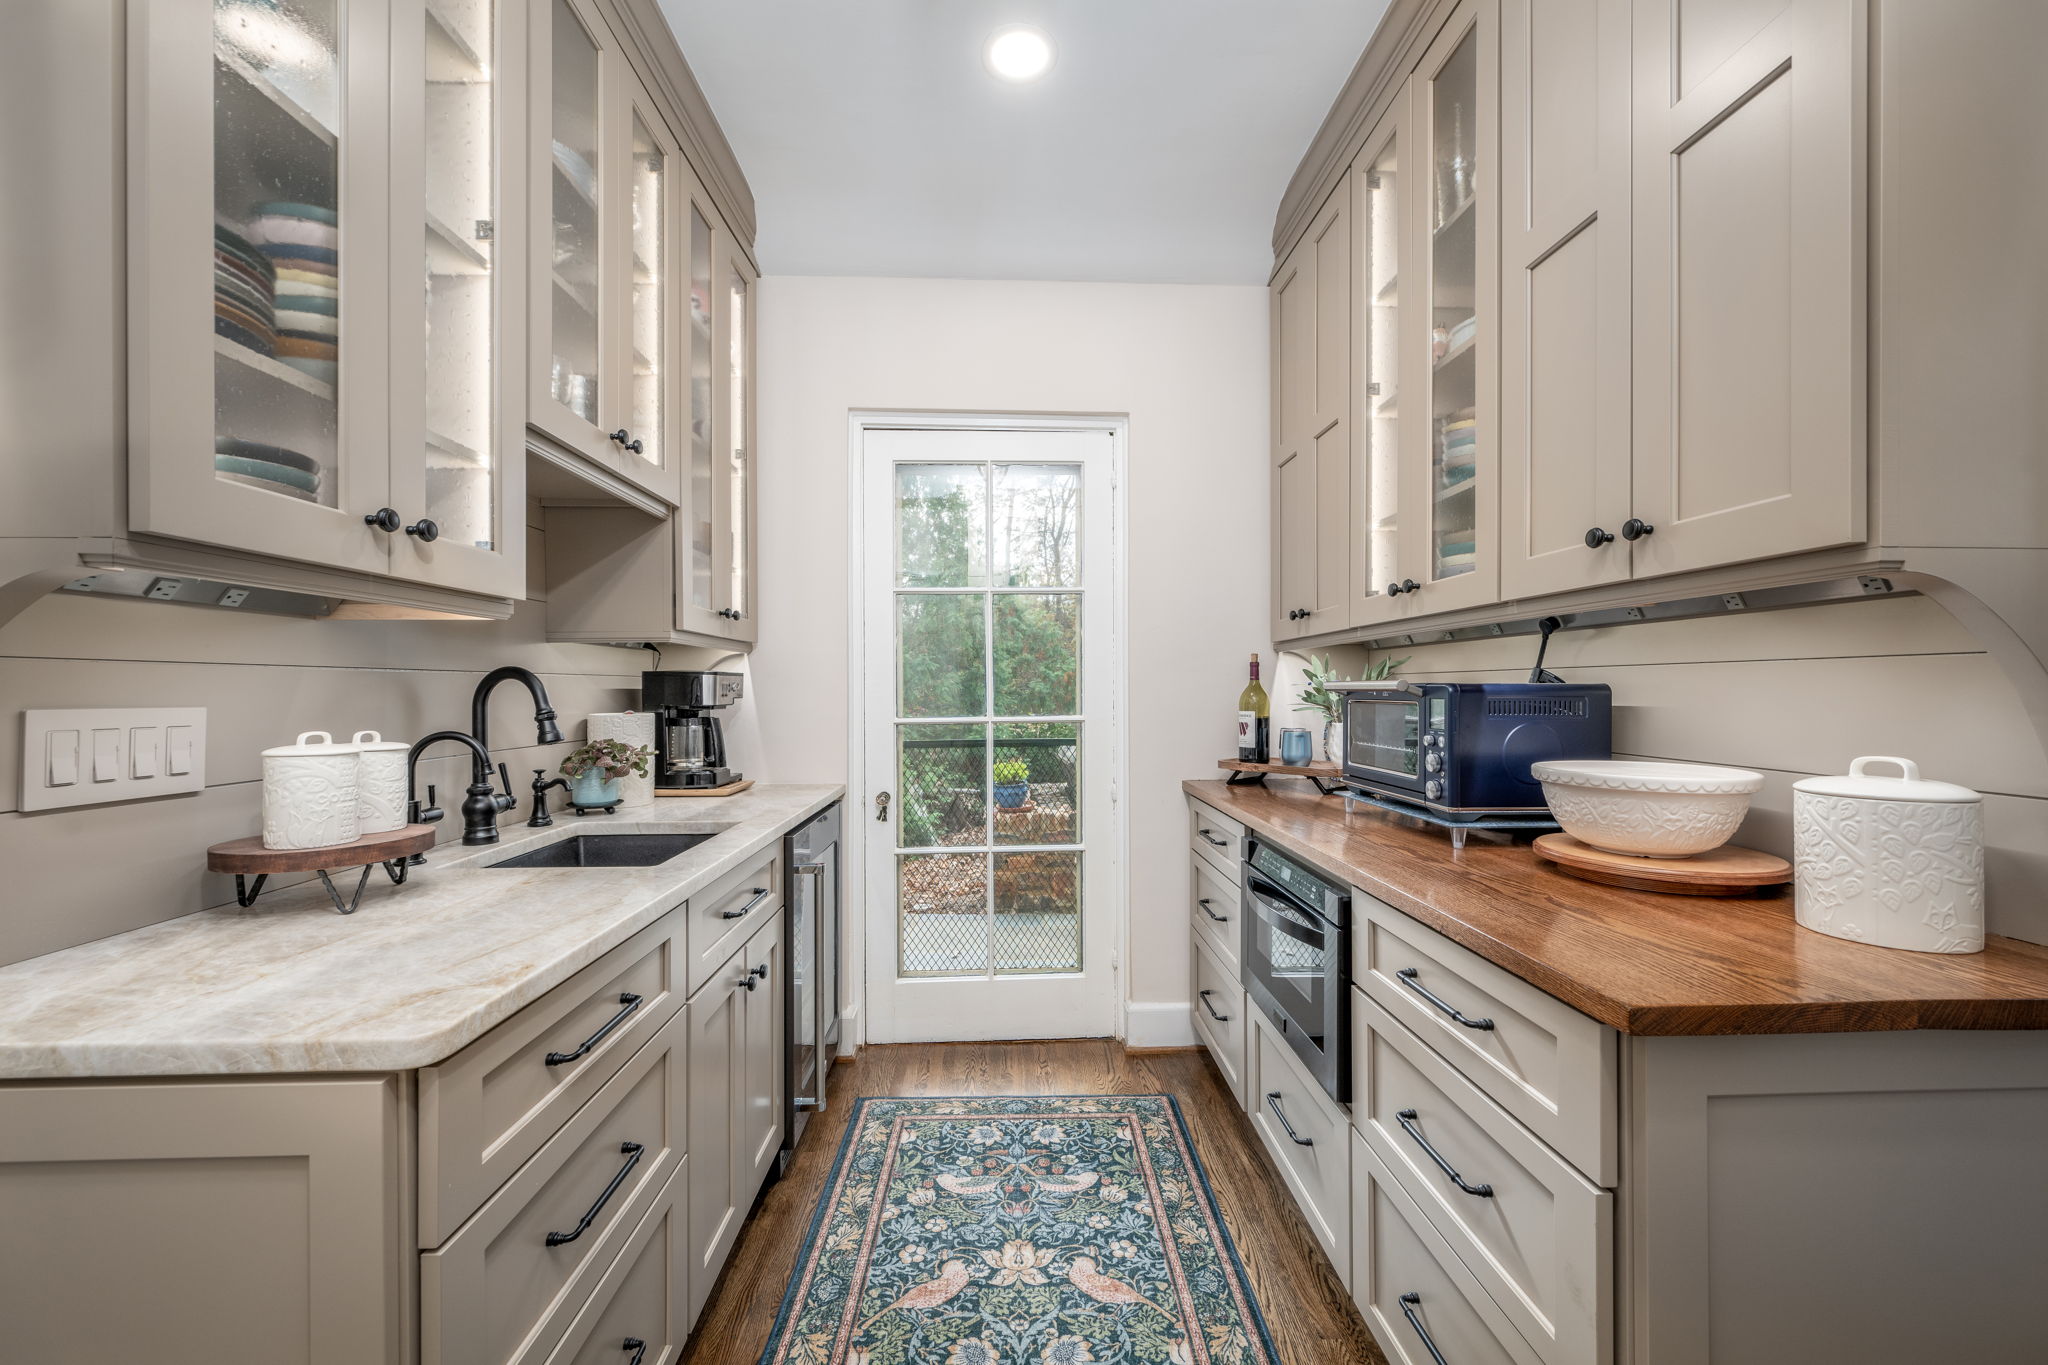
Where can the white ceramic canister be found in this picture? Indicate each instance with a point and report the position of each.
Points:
(380, 783)
(1893, 861)
(633, 727)
(309, 793)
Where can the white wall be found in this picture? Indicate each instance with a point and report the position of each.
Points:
(1186, 364)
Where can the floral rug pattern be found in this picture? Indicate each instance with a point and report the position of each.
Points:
(1075, 1230)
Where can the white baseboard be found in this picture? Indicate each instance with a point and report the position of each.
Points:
(1159, 1023)
(850, 1039)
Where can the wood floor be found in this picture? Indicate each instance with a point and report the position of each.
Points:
(1307, 1308)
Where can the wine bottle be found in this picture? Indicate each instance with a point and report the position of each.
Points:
(1252, 720)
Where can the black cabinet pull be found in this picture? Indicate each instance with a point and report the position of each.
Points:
(384, 519)
(760, 971)
(1219, 843)
(627, 999)
(425, 529)
(620, 436)
(635, 446)
(1220, 919)
(1410, 585)
(742, 912)
(637, 1347)
(1596, 537)
(1406, 1118)
(1635, 529)
(1273, 1103)
(632, 1152)
(1407, 977)
(1393, 589)
(1408, 1303)
(1219, 1018)
(748, 982)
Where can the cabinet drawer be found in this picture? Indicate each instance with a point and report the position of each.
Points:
(726, 915)
(1537, 1057)
(643, 1297)
(498, 1293)
(488, 1108)
(1280, 1094)
(1219, 1007)
(1396, 1253)
(1216, 837)
(1212, 909)
(1538, 1241)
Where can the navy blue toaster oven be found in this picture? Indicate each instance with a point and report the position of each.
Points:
(1464, 749)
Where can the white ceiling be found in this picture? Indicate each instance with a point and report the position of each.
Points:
(1155, 150)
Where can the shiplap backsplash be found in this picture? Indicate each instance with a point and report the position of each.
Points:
(84, 873)
(1799, 692)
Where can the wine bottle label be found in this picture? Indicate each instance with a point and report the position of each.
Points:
(1247, 725)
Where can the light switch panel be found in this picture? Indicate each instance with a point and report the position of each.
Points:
(111, 754)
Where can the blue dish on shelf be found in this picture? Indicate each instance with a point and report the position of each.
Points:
(268, 472)
(268, 454)
(283, 253)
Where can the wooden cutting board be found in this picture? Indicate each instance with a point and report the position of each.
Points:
(729, 789)
(1724, 871)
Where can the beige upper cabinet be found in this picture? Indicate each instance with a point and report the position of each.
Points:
(279, 334)
(1379, 199)
(697, 550)
(1749, 203)
(1564, 226)
(606, 215)
(733, 493)
(1311, 395)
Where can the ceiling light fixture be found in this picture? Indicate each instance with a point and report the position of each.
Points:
(1018, 53)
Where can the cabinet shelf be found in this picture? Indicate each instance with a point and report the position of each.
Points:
(261, 94)
(449, 253)
(1458, 489)
(564, 176)
(451, 58)
(1386, 292)
(273, 369)
(1460, 352)
(576, 294)
(456, 452)
(1456, 216)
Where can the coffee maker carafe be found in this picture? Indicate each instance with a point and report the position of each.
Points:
(689, 747)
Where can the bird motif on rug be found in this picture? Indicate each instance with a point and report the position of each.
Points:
(951, 1279)
(1086, 1275)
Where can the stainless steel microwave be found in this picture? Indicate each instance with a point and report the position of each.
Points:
(1463, 750)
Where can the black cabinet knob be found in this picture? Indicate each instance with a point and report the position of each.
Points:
(1635, 529)
(426, 530)
(635, 446)
(384, 519)
(1393, 589)
(1596, 537)
(1410, 585)
(620, 436)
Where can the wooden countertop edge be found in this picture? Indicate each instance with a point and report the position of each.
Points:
(1706, 1019)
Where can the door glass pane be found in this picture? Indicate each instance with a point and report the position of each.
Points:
(740, 439)
(461, 231)
(703, 548)
(1002, 796)
(1454, 259)
(941, 638)
(944, 921)
(1036, 526)
(277, 82)
(574, 195)
(1381, 238)
(1037, 653)
(940, 781)
(650, 310)
(1036, 774)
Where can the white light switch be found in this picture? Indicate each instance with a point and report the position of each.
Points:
(111, 754)
(63, 759)
(106, 755)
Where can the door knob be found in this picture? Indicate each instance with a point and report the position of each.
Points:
(426, 530)
(384, 519)
(881, 805)
(1596, 537)
(1635, 529)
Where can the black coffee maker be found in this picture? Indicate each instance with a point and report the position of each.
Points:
(689, 748)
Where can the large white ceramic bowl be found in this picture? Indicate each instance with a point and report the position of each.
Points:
(1644, 809)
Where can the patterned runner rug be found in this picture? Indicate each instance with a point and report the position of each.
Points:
(1018, 1231)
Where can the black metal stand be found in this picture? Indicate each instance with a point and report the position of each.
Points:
(593, 810)
(246, 892)
(1242, 779)
(1517, 824)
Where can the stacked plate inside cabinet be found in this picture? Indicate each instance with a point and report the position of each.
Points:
(271, 468)
(244, 286)
(302, 244)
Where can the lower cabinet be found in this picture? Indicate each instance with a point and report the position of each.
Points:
(1306, 1133)
(643, 1300)
(1220, 1014)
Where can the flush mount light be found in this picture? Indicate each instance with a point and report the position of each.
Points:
(1018, 53)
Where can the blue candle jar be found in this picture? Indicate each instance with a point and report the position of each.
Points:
(1294, 748)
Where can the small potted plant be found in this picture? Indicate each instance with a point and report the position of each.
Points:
(596, 767)
(1013, 784)
(1317, 696)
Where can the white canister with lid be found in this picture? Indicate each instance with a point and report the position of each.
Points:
(1893, 861)
(380, 783)
(309, 793)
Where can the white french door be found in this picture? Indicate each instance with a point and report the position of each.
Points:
(990, 738)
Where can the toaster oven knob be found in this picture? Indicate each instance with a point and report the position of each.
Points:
(1433, 761)
(1434, 790)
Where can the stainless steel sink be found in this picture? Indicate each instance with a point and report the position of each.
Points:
(607, 850)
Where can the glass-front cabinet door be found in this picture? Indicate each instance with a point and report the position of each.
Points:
(1377, 186)
(697, 521)
(258, 291)
(458, 463)
(1449, 492)
(733, 463)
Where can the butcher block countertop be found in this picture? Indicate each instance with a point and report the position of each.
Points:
(1644, 963)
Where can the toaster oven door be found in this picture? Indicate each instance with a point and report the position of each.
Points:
(1383, 739)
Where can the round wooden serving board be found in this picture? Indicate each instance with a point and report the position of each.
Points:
(1724, 871)
(249, 855)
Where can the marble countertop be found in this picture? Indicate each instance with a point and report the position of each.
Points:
(418, 972)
